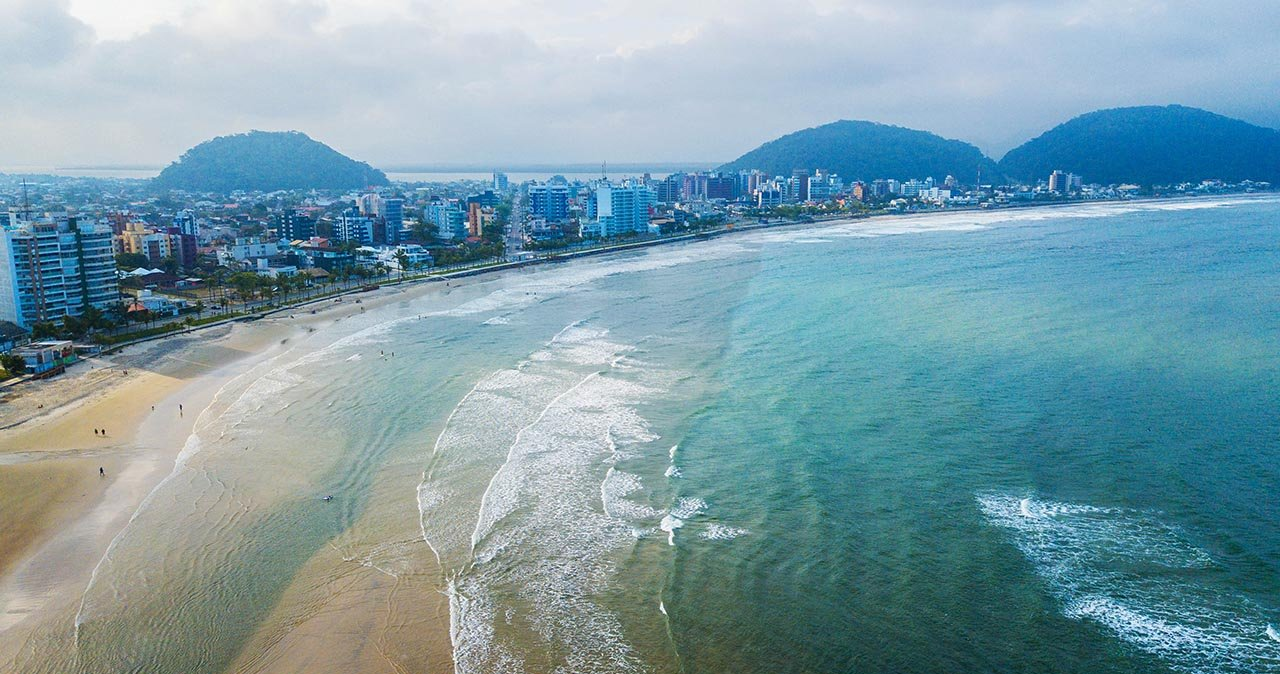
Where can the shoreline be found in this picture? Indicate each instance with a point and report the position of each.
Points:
(23, 384)
(70, 514)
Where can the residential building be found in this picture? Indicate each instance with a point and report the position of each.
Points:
(415, 257)
(478, 217)
(353, 226)
(186, 223)
(317, 253)
(245, 249)
(1057, 182)
(369, 205)
(768, 196)
(720, 186)
(157, 245)
(667, 191)
(549, 202)
(448, 217)
(294, 225)
(54, 268)
(618, 209)
(500, 182)
(392, 220)
(800, 185)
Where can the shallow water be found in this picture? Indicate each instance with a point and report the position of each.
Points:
(1007, 442)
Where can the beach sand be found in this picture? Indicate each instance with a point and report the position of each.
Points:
(60, 515)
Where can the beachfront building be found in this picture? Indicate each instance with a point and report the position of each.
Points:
(414, 256)
(54, 267)
(247, 249)
(42, 358)
(317, 253)
(614, 210)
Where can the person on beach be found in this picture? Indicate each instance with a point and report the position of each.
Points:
(101, 472)
(95, 431)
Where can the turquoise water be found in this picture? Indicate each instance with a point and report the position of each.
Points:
(1032, 442)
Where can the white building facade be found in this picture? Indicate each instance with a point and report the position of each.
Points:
(55, 267)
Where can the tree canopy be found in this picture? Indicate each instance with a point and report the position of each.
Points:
(859, 150)
(266, 161)
(1150, 145)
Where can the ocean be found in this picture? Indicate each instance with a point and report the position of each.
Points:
(1030, 441)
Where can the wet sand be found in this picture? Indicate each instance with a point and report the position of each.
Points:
(69, 511)
(61, 515)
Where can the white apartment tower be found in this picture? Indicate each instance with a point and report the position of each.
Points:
(54, 267)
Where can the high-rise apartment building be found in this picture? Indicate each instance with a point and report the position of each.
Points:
(352, 226)
(392, 220)
(448, 217)
(55, 267)
(549, 202)
(294, 225)
(1058, 182)
(618, 209)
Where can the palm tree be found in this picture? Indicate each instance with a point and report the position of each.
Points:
(402, 259)
(284, 280)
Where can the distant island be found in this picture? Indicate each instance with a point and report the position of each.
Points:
(865, 150)
(1148, 145)
(266, 161)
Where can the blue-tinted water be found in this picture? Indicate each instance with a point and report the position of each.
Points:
(1043, 441)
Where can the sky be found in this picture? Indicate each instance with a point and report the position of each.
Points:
(396, 82)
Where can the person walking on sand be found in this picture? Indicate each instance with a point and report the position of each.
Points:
(95, 431)
(101, 472)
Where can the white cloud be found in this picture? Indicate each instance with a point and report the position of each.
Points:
(138, 81)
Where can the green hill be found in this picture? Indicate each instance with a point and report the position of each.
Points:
(858, 150)
(1150, 145)
(266, 161)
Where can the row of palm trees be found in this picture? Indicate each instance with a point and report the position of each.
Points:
(252, 289)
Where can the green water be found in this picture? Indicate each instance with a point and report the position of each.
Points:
(1033, 442)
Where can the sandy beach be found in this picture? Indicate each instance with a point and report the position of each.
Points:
(61, 514)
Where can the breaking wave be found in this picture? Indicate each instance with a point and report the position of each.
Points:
(1142, 580)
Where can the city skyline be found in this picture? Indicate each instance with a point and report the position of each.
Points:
(403, 82)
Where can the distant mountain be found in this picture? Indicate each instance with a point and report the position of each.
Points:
(1150, 145)
(858, 150)
(266, 161)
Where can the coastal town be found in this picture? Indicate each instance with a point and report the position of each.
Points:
(92, 263)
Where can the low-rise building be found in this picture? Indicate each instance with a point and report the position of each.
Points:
(46, 357)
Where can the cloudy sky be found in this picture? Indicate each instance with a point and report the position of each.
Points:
(490, 81)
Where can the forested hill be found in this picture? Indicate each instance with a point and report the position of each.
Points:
(1150, 145)
(859, 150)
(266, 161)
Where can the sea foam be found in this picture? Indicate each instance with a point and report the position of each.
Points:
(1141, 579)
(554, 514)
